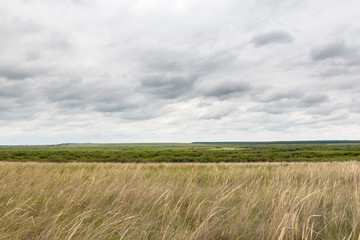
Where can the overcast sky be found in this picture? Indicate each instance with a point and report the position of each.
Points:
(178, 71)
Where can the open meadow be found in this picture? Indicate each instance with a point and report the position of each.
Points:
(179, 200)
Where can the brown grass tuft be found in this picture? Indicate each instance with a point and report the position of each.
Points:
(179, 201)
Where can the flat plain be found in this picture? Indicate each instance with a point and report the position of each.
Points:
(202, 153)
(159, 200)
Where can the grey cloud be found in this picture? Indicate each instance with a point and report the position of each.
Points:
(355, 104)
(8, 114)
(17, 90)
(277, 96)
(84, 95)
(112, 106)
(336, 50)
(109, 98)
(337, 117)
(58, 42)
(21, 70)
(18, 25)
(16, 73)
(355, 108)
(8, 90)
(336, 59)
(285, 105)
(189, 61)
(314, 99)
(227, 89)
(167, 87)
(219, 60)
(271, 37)
(59, 91)
(278, 108)
(333, 72)
(118, 100)
(172, 73)
(216, 114)
(325, 110)
(145, 112)
(330, 51)
(294, 121)
(163, 60)
(17, 100)
(162, 65)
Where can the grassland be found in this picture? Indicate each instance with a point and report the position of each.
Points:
(182, 153)
(179, 201)
(180, 191)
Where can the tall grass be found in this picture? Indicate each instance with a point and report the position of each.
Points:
(179, 201)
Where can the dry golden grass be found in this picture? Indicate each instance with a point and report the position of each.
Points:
(180, 201)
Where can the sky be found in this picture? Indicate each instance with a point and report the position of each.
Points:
(90, 71)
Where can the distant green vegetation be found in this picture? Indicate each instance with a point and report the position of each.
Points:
(283, 142)
(172, 152)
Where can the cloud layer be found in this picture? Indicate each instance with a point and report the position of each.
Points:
(271, 37)
(117, 71)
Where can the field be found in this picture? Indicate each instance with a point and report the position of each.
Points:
(144, 153)
(180, 191)
(179, 201)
